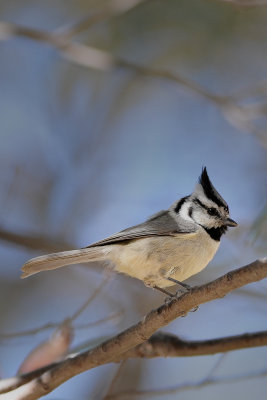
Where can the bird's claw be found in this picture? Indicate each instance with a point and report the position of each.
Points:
(175, 295)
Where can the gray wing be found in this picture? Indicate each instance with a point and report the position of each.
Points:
(160, 224)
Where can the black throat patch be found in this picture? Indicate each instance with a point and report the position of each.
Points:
(216, 233)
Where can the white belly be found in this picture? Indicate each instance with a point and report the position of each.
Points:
(154, 259)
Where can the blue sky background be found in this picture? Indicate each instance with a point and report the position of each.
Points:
(86, 153)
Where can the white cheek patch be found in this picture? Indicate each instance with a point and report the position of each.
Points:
(184, 212)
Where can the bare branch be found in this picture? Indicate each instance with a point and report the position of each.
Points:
(114, 8)
(90, 299)
(114, 380)
(167, 345)
(110, 350)
(246, 3)
(114, 316)
(240, 116)
(43, 243)
(186, 386)
(96, 58)
(77, 313)
(34, 242)
(163, 345)
(52, 325)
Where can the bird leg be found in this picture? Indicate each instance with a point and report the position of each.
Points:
(169, 294)
(180, 292)
(184, 285)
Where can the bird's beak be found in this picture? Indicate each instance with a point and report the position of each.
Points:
(230, 222)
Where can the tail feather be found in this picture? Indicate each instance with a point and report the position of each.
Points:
(57, 260)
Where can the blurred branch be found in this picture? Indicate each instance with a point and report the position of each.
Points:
(43, 243)
(162, 345)
(112, 9)
(51, 350)
(52, 325)
(114, 380)
(30, 387)
(246, 3)
(34, 242)
(209, 381)
(259, 228)
(257, 90)
(111, 317)
(239, 115)
(90, 299)
(95, 58)
(76, 314)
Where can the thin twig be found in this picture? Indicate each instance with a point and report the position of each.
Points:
(53, 325)
(90, 299)
(91, 57)
(110, 317)
(34, 242)
(246, 3)
(113, 8)
(77, 313)
(186, 386)
(114, 380)
(99, 59)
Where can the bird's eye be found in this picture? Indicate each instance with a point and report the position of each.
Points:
(212, 211)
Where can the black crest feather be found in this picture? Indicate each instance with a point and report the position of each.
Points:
(210, 190)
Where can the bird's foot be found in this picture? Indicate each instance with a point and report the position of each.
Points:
(184, 289)
(170, 296)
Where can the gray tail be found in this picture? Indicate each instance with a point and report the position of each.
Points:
(58, 260)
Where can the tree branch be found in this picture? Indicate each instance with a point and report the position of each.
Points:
(168, 345)
(113, 9)
(34, 242)
(209, 381)
(111, 349)
(88, 56)
(246, 3)
(99, 59)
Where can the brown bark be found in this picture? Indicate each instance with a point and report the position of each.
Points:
(46, 380)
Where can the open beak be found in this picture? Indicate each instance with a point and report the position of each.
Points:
(230, 222)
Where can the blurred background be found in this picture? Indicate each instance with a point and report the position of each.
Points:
(108, 111)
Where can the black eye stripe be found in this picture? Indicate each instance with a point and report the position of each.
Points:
(197, 201)
(210, 210)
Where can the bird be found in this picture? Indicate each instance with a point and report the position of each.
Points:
(166, 249)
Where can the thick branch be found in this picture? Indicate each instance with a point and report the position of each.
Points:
(139, 333)
(167, 345)
(162, 345)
